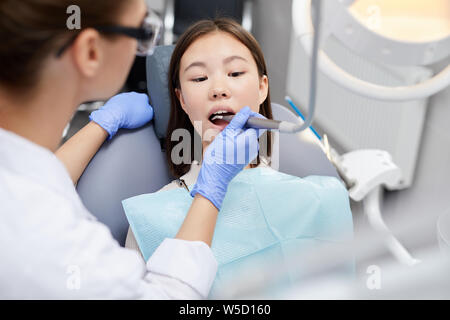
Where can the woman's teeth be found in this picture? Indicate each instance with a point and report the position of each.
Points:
(218, 115)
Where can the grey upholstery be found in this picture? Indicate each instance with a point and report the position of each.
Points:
(298, 156)
(157, 68)
(180, 14)
(132, 163)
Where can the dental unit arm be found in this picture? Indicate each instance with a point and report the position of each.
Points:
(366, 172)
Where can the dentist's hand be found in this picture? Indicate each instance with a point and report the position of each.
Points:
(226, 156)
(128, 110)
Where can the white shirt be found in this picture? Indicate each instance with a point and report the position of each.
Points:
(51, 247)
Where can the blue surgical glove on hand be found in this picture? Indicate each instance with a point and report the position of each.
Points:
(226, 156)
(128, 110)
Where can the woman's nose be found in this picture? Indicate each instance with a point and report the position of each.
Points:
(219, 93)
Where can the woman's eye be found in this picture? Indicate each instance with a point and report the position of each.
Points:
(236, 74)
(200, 79)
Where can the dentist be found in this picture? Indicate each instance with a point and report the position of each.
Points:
(50, 245)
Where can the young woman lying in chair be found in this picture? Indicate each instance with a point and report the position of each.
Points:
(218, 67)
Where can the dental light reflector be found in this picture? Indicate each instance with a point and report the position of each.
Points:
(396, 32)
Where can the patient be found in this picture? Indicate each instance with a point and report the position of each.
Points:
(216, 67)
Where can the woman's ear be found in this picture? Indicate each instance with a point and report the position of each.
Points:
(263, 88)
(86, 52)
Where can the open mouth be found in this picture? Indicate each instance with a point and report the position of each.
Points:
(216, 117)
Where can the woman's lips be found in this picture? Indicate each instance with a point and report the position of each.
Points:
(220, 124)
(220, 110)
(217, 125)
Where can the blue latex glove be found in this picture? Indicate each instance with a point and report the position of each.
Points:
(128, 110)
(226, 156)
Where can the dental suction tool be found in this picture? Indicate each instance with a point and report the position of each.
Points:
(286, 126)
(258, 123)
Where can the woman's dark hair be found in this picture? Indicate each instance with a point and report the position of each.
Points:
(179, 118)
(30, 30)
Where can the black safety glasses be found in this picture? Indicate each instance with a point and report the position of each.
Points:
(147, 34)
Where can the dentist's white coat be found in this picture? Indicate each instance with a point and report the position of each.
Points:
(51, 247)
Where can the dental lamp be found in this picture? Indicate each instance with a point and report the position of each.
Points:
(400, 32)
(395, 32)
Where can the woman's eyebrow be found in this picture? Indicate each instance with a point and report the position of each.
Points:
(195, 64)
(231, 58)
(225, 61)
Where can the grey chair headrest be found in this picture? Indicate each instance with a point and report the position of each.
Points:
(157, 86)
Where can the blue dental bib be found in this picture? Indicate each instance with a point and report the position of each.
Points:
(265, 216)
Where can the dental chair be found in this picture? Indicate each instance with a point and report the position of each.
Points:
(134, 162)
(180, 14)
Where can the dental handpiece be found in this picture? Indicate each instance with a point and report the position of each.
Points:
(258, 123)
